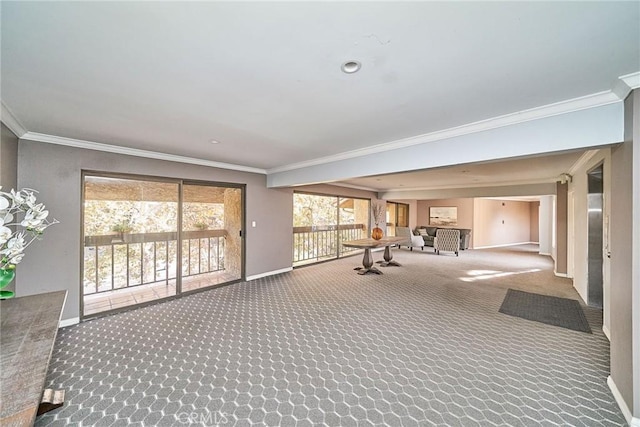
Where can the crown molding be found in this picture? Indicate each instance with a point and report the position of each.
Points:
(632, 80)
(558, 108)
(621, 89)
(10, 120)
(582, 161)
(89, 145)
(625, 84)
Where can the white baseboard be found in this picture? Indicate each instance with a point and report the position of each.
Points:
(68, 322)
(545, 253)
(269, 273)
(505, 245)
(565, 275)
(607, 333)
(633, 422)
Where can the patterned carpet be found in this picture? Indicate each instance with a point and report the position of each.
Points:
(423, 344)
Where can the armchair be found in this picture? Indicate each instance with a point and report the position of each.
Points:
(412, 241)
(447, 240)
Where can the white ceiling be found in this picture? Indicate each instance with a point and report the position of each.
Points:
(264, 78)
(532, 170)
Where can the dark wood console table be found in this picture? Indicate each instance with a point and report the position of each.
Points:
(27, 334)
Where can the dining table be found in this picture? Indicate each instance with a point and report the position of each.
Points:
(368, 244)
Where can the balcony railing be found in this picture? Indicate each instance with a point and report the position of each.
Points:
(127, 260)
(322, 242)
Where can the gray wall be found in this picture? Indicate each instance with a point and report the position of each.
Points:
(621, 255)
(545, 220)
(8, 168)
(561, 227)
(8, 159)
(534, 226)
(54, 262)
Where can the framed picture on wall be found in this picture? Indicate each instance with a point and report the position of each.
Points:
(443, 216)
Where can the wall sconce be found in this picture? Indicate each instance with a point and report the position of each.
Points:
(565, 178)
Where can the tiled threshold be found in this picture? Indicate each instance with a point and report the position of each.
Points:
(125, 297)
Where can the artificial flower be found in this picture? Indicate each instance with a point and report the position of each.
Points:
(19, 209)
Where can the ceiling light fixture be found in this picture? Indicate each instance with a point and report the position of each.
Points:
(351, 67)
(213, 141)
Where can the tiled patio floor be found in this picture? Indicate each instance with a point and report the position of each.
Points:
(119, 298)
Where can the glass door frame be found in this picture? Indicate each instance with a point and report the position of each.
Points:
(243, 192)
(400, 206)
(180, 182)
(394, 209)
(337, 224)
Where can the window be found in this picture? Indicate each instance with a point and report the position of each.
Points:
(397, 216)
(321, 223)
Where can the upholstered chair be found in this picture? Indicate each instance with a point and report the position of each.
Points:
(447, 240)
(412, 241)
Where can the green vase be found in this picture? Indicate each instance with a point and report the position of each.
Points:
(6, 276)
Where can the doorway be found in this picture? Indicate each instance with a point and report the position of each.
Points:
(595, 239)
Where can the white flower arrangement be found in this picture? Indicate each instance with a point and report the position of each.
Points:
(19, 209)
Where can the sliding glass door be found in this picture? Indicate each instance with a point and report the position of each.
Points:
(397, 216)
(321, 223)
(391, 218)
(402, 215)
(353, 220)
(131, 228)
(211, 235)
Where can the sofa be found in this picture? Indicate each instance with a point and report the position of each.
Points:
(428, 234)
